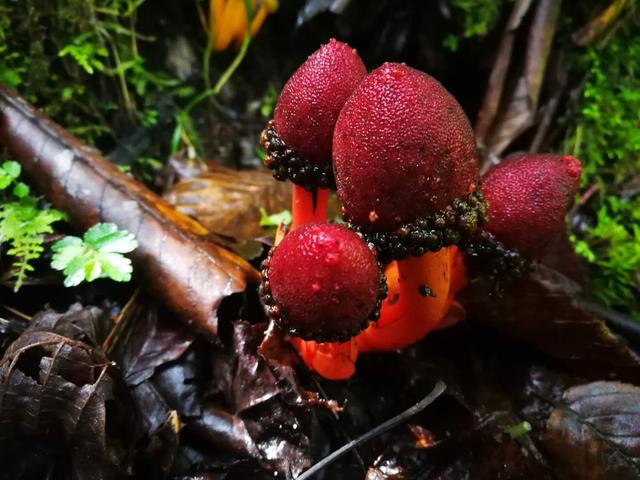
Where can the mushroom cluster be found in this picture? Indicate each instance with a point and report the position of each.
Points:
(401, 153)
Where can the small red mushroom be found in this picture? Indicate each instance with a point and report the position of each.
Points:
(298, 140)
(322, 283)
(528, 197)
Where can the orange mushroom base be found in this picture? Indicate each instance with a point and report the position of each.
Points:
(407, 314)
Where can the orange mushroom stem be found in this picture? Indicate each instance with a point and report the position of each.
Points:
(421, 292)
(308, 207)
(418, 299)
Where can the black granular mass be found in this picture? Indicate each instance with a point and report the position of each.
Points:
(485, 256)
(454, 225)
(425, 291)
(287, 165)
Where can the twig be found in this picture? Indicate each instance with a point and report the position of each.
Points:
(549, 110)
(379, 430)
(599, 26)
(619, 321)
(118, 323)
(17, 313)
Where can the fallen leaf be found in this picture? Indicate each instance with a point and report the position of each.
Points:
(387, 469)
(155, 340)
(277, 428)
(496, 86)
(594, 434)
(228, 202)
(544, 310)
(190, 275)
(507, 113)
(90, 325)
(63, 408)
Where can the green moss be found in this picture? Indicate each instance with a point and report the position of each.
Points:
(477, 18)
(73, 57)
(479, 15)
(605, 135)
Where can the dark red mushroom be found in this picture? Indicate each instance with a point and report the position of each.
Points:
(406, 169)
(405, 162)
(298, 140)
(529, 197)
(322, 283)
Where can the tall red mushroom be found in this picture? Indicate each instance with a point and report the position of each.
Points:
(298, 140)
(406, 169)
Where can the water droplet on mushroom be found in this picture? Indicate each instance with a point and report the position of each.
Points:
(331, 259)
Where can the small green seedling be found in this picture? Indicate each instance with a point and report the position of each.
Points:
(98, 254)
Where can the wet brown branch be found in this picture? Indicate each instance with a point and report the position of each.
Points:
(190, 275)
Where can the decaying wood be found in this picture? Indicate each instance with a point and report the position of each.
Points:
(495, 87)
(505, 115)
(190, 275)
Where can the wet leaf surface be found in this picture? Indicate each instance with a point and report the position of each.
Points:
(228, 202)
(544, 310)
(237, 417)
(594, 433)
(158, 340)
(63, 406)
(90, 325)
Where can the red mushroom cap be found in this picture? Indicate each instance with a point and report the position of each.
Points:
(311, 100)
(529, 197)
(402, 149)
(324, 281)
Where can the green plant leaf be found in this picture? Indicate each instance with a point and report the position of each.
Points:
(97, 255)
(21, 190)
(9, 171)
(275, 219)
(116, 266)
(106, 237)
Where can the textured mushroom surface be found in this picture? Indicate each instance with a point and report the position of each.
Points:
(529, 197)
(324, 281)
(310, 102)
(402, 149)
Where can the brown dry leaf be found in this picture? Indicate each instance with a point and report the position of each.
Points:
(544, 309)
(228, 201)
(594, 434)
(155, 341)
(496, 85)
(89, 324)
(63, 408)
(190, 275)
